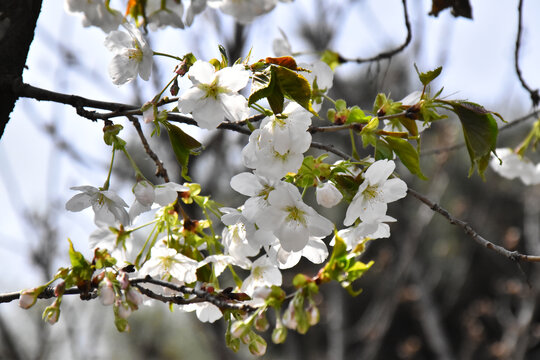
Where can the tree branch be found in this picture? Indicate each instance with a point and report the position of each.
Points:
(116, 109)
(390, 53)
(19, 20)
(507, 126)
(223, 300)
(535, 97)
(512, 255)
(161, 171)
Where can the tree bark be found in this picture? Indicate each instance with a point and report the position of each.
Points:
(18, 20)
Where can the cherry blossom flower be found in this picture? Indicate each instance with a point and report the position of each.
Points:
(214, 95)
(258, 188)
(236, 244)
(291, 220)
(328, 195)
(244, 11)
(277, 147)
(320, 78)
(370, 202)
(147, 194)
(513, 166)
(95, 13)
(166, 262)
(356, 235)
(263, 273)
(206, 312)
(132, 55)
(107, 205)
(162, 14)
(195, 7)
(315, 251)
(221, 261)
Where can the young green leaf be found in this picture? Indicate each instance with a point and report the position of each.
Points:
(294, 86)
(429, 76)
(182, 145)
(331, 58)
(407, 154)
(480, 132)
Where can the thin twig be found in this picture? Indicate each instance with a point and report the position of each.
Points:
(535, 97)
(390, 53)
(221, 300)
(332, 149)
(116, 109)
(161, 171)
(507, 126)
(512, 255)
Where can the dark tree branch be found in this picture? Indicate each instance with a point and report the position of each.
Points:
(18, 20)
(512, 255)
(222, 300)
(390, 53)
(509, 125)
(535, 97)
(116, 109)
(161, 171)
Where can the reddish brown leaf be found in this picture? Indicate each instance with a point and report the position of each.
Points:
(285, 61)
(459, 7)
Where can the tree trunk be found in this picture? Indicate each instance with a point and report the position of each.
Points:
(18, 20)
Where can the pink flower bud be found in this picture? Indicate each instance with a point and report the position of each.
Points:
(123, 310)
(124, 280)
(27, 299)
(279, 335)
(106, 292)
(134, 297)
(257, 346)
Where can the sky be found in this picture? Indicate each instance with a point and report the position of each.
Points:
(477, 57)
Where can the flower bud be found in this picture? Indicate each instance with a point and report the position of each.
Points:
(313, 315)
(328, 195)
(134, 297)
(59, 289)
(239, 329)
(257, 346)
(279, 334)
(51, 313)
(123, 280)
(123, 310)
(27, 299)
(289, 318)
(106, 292)
(261, 322)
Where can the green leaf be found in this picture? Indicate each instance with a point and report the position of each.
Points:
(383, 150)
(480, 131)
(331, 58)
(300, 280)
(407, 154)
(429, 76)
(81, 270)
(262, 85)
(182, 145)
(294, 86)
(357, 115)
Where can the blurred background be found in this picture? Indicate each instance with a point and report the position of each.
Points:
(432, 294)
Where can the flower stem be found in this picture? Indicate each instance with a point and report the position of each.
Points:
(166, 55)
(107, 181)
